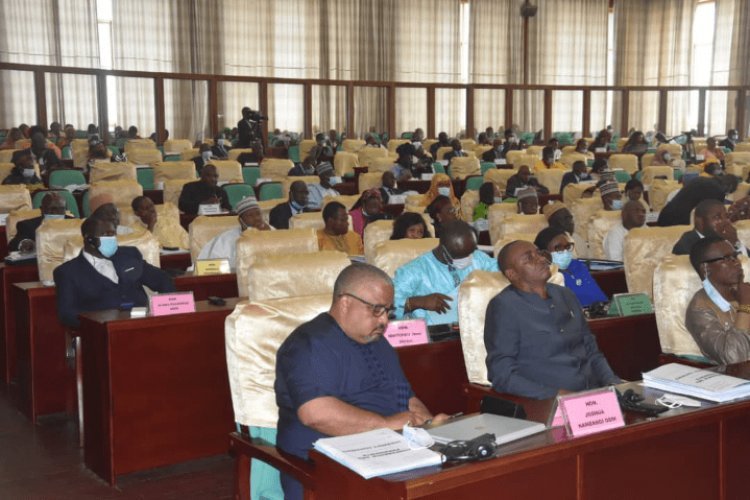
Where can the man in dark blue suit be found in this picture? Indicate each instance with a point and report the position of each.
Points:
(104, 276)
(53, 207)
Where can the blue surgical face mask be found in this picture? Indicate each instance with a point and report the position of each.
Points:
(562, 259)
(715, 296)
(335, 180)
(497, 199)
(616, 204)
(296, 205)
(107, 245)
(54, 216)
(207, 155)
(444, 191)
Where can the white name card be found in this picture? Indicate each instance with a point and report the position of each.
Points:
(699, 157)
(600, 150)
(426, 177)
(500, 161)
(209, 209)
(261, 180)
(397, 199)
(3, 218)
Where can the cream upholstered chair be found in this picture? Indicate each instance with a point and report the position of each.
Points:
(392, 254)
(253, 245)
(375, 233)
(304, 220)
(189, 154)
(644, 249)
(463, 167)
(367, 155)
(646, 160)
(229, 170)
(14, 197)
(369, 180)
(469, 201)
(520, 223)
(305, 146)
(169, 170)
(415, 203)
(17, 216)
(743, 231)
(496, 216)
(550, 178)
(573, 192)
(275, 168)
(514, 156)
(627, 162)
(112, 171)
(442, 151)
(286, 183)
(122, 192)
(508, 238)
(598, 226)
(674, 149)
(743, 189)
(135, 144)
(651, 172)
(177, 146)
(474, 296)
(380, 165)
(348, 200)
(582, 210)
(393, 144)
(528, 160)
(277, 276)
(144, 156)
(468, 144)
(173, 189)
(427, 144)
(499, 177)
(5, 169)
(351, 145)
(204, 228)
(235, 153)
(738, 163)
(479, 150)
(6, 155)
(345, 162)
(621, 143)
(144, 241)
(742, 147)
(568, 159)
(79, 148)
(659, 191)
(50, 244)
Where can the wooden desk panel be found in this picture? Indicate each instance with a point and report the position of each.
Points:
(155, 389)
(220, 285)
(179, 261)
(9, 276)
(611, 282)
(631, 344)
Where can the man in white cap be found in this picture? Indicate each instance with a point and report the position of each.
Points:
(319, 191)
(528, 202)
(611, 196)
(224, 246)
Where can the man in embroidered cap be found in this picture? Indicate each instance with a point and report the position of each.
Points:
(528, 202)
(559, 216)
(319, 191)
(224, 246)
(611, 196)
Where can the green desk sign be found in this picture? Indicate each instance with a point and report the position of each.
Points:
(630, 304)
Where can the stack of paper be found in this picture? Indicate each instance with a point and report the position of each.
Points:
(376, 453)
(693, 381)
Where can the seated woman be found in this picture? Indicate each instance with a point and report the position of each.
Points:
(441, 211)
(336, 235)
(634, 192)
(368, 208)
(712, 150)
(582, 147)
(718, 316)
(559, 249)
(441, 185)
(489, 193)
(636, 144)
(411, 226)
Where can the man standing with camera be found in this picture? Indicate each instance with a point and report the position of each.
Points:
(248, 129)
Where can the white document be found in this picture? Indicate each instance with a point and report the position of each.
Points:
(692, 381)
(209, 209)
(376, 453)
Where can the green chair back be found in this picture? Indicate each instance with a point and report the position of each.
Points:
(438, 168)
(474, 182)
(270, 191)
(145, 177)
(250, 175)
(624, 176)
(114, 149)
(65, 177)
(294, 154)
(70, 200)
(85, 203)
(67, 153)
(236, 192)
(487, 165)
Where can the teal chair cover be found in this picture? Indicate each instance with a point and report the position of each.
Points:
(70, 200)
(236, 192)
(145, 177)
(270, 191)
(66, 177)
(250, 175)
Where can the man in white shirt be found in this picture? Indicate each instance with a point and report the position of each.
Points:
(633, 215)
(319, 191)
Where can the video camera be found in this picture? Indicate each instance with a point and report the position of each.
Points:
(256, 116)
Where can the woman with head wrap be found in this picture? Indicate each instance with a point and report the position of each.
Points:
(441, 186)
(367, 208)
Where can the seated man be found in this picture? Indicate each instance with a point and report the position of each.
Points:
(611, 196)
(170, 233)
(224, 246)
(205, 191)
(522, 180)
(558, 216)
(53, 207)
(633, 215)
(307, 166)
(579, 174)
(389, 186)
(281, 213)
(718, 316)
(337, 375)
(427, 287)
(108, 211)
(528, 202)
(456, 152)
(549, 160)
(336, 235)
(537, 338)
(104, 276)
(23, 169)
(710, 219)
(325, 188)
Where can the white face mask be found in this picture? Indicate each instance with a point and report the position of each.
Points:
(497, 199)
(221, 142)
(444, 191)
(28, 173)
(207, 155)
(463, 263)
(558, 154)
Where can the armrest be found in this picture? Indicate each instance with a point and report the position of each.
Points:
(536, 409)
(299, 469)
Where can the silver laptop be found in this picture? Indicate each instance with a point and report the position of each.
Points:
(505, 429)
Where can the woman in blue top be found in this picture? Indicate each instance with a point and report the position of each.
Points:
(555, 244)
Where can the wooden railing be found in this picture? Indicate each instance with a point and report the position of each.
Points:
(213, 81)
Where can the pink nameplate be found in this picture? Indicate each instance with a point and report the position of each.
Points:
(591, 412)
(407, 332)
(557, 420)
(163, 304)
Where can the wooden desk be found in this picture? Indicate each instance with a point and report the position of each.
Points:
(179, 261)
(631, 344)
(220, 285)
(348, 188)
(9, 276)
(155, 390)
(685, 453)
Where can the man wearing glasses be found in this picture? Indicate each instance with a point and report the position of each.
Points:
(338, 375)
(537, 338)
(718, 316)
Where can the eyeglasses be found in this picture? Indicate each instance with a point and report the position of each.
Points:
(377, 309)
(726, 258)
(560, 248)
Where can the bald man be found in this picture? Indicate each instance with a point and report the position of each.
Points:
(53, 207)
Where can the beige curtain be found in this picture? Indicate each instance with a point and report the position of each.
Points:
(653, 46)
(49, 32)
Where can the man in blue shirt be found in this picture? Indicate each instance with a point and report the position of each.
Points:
(337, 375)
(537, 339)
(427, 287)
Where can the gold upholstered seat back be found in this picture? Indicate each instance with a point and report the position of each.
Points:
(644, 249)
